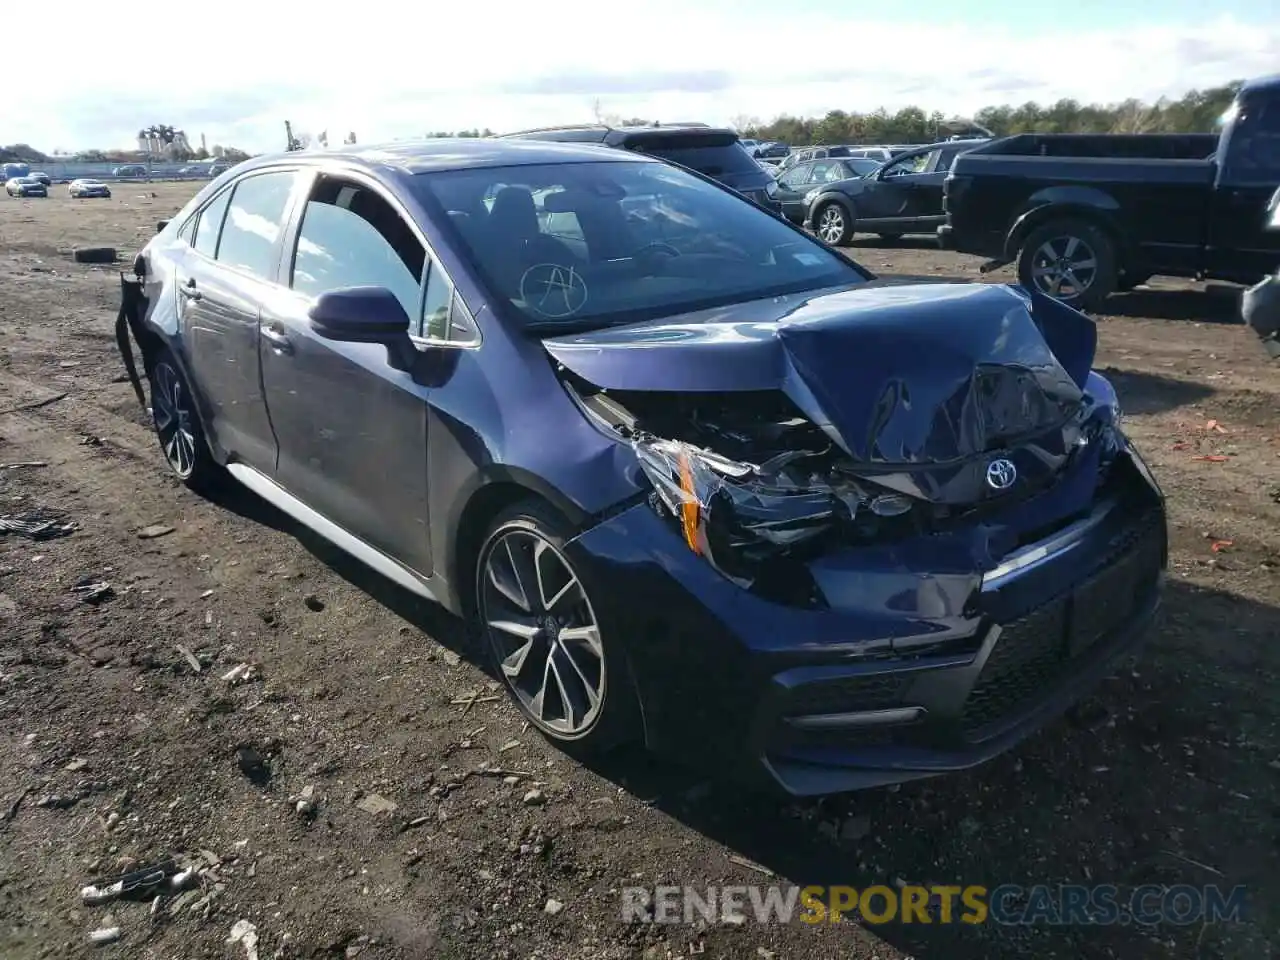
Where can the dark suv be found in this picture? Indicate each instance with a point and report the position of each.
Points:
(711, 151)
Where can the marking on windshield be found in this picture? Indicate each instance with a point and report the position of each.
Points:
(554, 291)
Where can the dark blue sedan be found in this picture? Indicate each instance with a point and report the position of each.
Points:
(702, 481)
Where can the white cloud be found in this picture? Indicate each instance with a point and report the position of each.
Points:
(237, 70)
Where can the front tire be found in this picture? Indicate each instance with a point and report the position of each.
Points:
(177, 426)
(833, 224)
(552, 648)
(1072, 261)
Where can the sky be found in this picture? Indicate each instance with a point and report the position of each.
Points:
(235, 70)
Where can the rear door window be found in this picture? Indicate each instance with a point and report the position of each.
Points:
(210, 224)
(253, 222)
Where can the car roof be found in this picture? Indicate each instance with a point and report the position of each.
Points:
(455, 153)
(1269, 84)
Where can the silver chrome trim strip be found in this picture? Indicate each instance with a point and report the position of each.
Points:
(1031, 556)
(860, 718)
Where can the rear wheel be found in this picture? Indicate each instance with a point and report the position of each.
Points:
(177, 425)
(1070, 260)
(833, 224)
(546, 639)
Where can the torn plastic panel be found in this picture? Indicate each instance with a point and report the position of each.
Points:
(917, 384)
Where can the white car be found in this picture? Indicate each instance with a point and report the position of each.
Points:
(88, 188)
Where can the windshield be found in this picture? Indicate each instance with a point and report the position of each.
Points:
(587, 244)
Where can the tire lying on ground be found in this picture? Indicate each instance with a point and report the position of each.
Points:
(94, 254)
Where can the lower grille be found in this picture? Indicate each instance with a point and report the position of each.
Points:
(1032, 654)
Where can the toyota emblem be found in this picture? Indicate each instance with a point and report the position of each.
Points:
(1001, 474)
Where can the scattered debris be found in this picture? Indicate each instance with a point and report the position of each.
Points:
(89, 440)
(58, 801)
(470, 700)
(76, 765)
(313, 603)
(142, 883)
(34, 404)
(189, 657)
(154, 531)
(509, 745)
(375, 804)
(1219, 545)
(1212, 458)
(37, 525)
(750, 865)
(242, 931)
(535, 798)
(553, 906)
(306, 805)
(104, 935)
(93, 592)
(1213, 425)
(23, 465)
(415, 823)
(240, 673)
(253, 766)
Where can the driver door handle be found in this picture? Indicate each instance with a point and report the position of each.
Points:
(189, 290)
(276, 338)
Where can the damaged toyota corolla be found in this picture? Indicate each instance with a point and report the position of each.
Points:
(701, 481)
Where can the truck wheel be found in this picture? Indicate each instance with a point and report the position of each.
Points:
(1070, 260)
(833, 224)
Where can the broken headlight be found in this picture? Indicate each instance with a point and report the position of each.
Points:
(740, 515)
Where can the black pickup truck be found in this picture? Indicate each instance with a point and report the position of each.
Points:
(1086, 215)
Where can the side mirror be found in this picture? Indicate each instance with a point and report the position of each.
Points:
(359, 315)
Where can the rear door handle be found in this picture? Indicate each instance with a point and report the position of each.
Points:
(276, 338)
(189, 290)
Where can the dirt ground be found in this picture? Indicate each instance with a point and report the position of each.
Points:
(117, 751)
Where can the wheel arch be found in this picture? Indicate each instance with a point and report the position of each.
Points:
(1071, 209)
(495, 489)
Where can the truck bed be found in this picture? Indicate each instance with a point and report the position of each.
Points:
(1104, 146)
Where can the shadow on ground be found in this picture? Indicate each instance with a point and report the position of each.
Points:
(1115, 793)
(1215, 305)
(1118, 792)
(1141, 392)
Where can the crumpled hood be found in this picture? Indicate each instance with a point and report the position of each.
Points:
(903, 377)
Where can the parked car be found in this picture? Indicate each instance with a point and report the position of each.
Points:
(712, 152)
(900, 197)
(87, 187)
(796, 183)
(1260, 304)
(694, 473)
(42, 177)
(1084, 216)
(25, 187)
(773, 150)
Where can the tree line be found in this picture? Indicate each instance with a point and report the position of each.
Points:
(1195, 112)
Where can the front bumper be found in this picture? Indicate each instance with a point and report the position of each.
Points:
(918, 665)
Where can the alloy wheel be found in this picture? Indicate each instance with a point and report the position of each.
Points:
(831, 224)
(173, 416)
(543, 632)
(1064, 267)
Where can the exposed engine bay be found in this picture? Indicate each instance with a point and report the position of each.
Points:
(757, 488)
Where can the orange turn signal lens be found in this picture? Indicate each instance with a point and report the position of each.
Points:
(689, 508)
